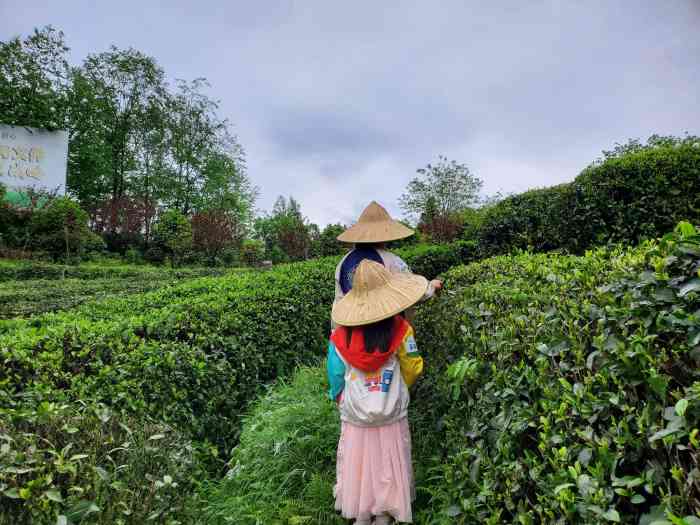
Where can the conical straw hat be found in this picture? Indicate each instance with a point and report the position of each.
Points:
(377, 294)
(375, 225)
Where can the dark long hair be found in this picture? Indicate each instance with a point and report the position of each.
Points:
(377, 335)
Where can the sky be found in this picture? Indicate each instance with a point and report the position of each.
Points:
(338, 103)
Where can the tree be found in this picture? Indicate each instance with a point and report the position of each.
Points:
(195, 133)
(213, 232)
(227, 189)
(60, 228)
(441, 190)
(252, 252)
(112, 95)
(285, 231)
(326, 243)
(439, 227)
(173, 235)
(34, 80)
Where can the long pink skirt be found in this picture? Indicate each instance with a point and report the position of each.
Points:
(374, 474)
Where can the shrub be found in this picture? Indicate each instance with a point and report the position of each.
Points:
(537, 220)
(173, 235)
(213, 231)
(60, 228)
(563, 389)
(122, 242)
(635, 193)
(559, 389)
(327, 244)
(36, 296)
(63, 462)
(191, 356)
(430, 260)
(252, 252)
(23, 270)
(638, 193)
(93, 244)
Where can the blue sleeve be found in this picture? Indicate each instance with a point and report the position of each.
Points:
(336, 372)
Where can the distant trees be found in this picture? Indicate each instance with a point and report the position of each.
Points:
(137, 145)
(60, 229)
(285, 231)
(326, 243)
(172, 234)
(436, 198)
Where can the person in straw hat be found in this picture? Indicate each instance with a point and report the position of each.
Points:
(372, 361)
(369, 234)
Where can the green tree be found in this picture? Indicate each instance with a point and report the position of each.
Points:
(442, 190)
(285, 231)
(172, 233)
(60, 228)
(34, 80)
(327, 244)
(113, 94)
(196, 133)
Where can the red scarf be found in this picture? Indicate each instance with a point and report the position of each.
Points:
(356, 355)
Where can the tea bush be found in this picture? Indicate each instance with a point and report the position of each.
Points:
(430, 260)
(83, 463)
(227, 320)
(25, 270)
(564, 389)
(635, 192)
(37, 296)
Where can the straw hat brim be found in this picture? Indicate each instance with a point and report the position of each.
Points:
(377, 231)
(401, 292)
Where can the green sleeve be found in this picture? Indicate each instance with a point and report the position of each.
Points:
(336, 372)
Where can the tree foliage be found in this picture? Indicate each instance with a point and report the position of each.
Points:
(441, 190)
(173, 235)
(285, 231)
(137, 145)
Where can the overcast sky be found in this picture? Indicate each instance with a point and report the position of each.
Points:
(338, 103)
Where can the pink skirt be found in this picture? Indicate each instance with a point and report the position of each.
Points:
(374, 474)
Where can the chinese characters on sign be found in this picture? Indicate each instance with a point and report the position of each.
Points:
(20, 162)
(31, 157)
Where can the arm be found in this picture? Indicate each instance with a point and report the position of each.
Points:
(410, 360)
(396, 264)
(336, 373)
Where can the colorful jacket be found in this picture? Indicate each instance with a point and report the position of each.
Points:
(371, 388)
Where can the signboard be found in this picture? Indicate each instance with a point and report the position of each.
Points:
(31, 157)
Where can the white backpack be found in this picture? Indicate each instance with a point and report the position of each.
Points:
(374, 398)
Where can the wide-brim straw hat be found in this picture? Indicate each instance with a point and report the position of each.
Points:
(375, 225)
(378, 294)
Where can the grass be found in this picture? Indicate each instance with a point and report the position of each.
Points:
(283, 470)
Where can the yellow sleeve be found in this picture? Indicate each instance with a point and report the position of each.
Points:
(410, 361)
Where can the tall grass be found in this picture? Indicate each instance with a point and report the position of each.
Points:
(283, 470)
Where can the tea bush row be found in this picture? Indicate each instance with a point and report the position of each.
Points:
(36, 296)
(29, 270)
(565, 389)
(81, 462)
(635, 192)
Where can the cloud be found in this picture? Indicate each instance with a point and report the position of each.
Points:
(339, 103)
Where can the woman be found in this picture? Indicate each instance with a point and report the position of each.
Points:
(372, 360)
